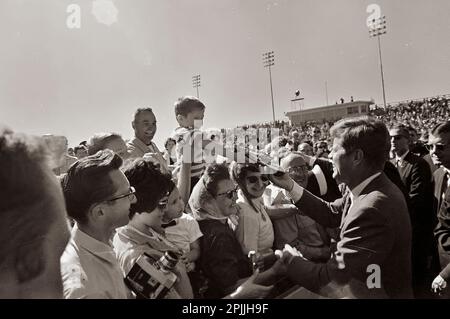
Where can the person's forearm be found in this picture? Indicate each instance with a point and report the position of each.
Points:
(193, 255)
(184, 181)
(266, 278)
(281, 211)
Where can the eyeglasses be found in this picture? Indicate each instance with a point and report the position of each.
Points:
(230, 194)
(130, 195)
(162, 204)
(254, 179)
(436, 147)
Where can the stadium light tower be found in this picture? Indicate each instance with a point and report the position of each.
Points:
(269, 61)
(196, 83)
(376, 29)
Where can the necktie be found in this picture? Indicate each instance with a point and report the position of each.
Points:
(398, 162)
(444, 187)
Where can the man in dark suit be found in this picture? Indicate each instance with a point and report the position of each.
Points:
(373, 255)
(439, 143)
(416, 177)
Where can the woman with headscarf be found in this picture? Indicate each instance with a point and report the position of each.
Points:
(213, 202)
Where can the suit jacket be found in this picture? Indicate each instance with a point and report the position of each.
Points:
(442, 230)
(416, 176)
(375, 231)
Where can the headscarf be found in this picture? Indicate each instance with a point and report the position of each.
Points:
(202, 203)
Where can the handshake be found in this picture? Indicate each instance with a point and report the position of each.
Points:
(279, 259)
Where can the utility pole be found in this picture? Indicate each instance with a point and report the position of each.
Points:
(376, 29)
(196, 83)
(269, 61)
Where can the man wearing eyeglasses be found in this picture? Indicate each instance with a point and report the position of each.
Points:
(290, 227)
(98, 197)
(439, 146)
(415, 174)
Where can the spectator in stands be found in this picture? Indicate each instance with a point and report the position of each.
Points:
(306, 148)
(98, 197)
(33, 227)
(144, 232)
(112, 141)
(169, 151)
(80, 151)
(290, 226)
(212, 202)
(321, 149)
(144, 125)
(254, 230)
(189, 113)
(316, 134)
(416, 146)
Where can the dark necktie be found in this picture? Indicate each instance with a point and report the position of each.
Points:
(172, 223)
(444, 210)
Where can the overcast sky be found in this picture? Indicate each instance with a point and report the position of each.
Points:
(77, 82)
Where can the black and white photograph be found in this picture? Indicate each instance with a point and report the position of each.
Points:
(245, 151)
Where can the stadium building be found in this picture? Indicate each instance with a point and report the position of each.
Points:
(329, 113)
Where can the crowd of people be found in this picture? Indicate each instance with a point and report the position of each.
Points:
(353, 209)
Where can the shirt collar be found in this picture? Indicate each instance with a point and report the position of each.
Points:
(401, 158)
(93, 245)
(257, 202)
(447, 171)
(140, 144)
(355, 192)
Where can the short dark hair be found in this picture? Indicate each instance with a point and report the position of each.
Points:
(441, 128)
(214, 173)
(365, 133)
(141, 110)
(87, 182)
(186, 104)
(239, 174)
(98, 141)
(169, 139)
(25, 209)
(150, 183)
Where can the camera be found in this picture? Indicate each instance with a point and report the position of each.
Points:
(262, 260)
(150, 278)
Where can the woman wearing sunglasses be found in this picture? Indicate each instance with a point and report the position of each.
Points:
(144, 232)
(255, 229)
(213, 202)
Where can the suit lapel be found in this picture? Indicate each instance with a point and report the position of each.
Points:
(374, 184)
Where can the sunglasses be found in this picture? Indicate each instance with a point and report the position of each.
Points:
(230, 194)
(435, 147)
(130, 195)
(254, 179)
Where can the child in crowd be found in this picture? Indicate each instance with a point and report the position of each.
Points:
(189, 112)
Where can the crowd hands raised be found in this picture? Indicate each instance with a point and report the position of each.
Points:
(320, 207)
